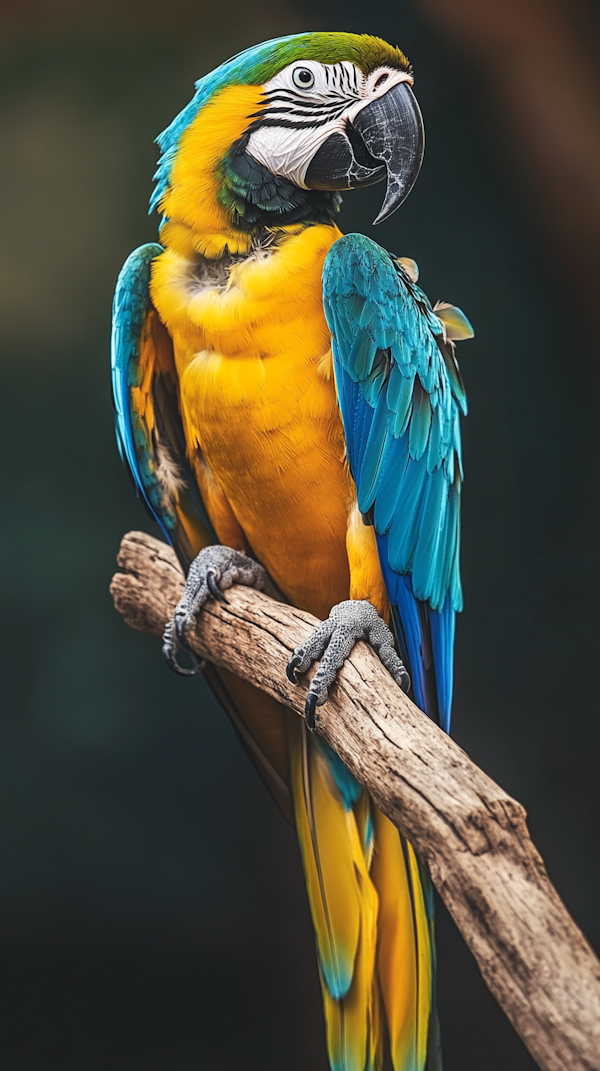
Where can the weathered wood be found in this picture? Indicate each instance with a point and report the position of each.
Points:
(472, 835)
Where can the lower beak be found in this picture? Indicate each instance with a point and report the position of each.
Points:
(386, 139)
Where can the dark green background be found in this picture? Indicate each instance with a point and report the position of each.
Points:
(152, 912)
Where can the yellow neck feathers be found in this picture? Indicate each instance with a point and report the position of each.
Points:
(197, 221)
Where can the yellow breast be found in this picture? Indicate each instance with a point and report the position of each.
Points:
(258, 399)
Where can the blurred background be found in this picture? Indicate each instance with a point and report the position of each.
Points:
(152, 910)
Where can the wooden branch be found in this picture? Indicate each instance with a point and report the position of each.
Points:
(471, 834)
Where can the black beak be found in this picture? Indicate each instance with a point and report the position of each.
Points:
(386, 139)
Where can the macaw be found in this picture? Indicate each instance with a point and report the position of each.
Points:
(288, 405)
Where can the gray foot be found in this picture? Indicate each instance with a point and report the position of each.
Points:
(212, 572)
(332, 642)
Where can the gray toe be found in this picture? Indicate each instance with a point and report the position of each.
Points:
(212, 571)
(332, 643)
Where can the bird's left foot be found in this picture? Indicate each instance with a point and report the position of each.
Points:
(332, 643)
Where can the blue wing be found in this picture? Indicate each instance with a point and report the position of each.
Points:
(401, 395)
(148, 423)
(152, 444)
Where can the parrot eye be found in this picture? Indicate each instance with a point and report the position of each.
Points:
(303, 78)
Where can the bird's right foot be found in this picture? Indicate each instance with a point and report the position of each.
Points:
(213, 571)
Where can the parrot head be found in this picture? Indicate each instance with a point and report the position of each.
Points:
(273, 135)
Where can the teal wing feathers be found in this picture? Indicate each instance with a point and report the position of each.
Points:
(148, 423)
(401, 396)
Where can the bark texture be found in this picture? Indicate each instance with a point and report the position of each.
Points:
(472, 835)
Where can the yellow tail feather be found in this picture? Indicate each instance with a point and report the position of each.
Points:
(371, 925)
(333, 893)
(335, 844)
(404, 946)
(352, 1021)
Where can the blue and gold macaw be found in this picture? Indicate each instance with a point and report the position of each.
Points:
(288, 404)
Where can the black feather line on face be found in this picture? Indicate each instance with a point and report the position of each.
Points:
(289, 124)
(307, 108)
(255, 198)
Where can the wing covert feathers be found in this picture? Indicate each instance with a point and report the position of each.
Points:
(401, 395)
(146, 396)
(372, 932)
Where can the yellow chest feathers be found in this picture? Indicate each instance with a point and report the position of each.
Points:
(251, 346)
(253, 356)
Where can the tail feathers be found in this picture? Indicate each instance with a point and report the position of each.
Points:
(354, 1022)
(371, 918)
(334, 896)
(434, 1044)
(404, 947)
(343, 902)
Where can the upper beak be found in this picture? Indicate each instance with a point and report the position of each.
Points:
(385, 138)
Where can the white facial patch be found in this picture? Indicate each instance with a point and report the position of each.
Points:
(306, 103)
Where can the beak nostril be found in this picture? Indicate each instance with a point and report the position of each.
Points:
(382, 78)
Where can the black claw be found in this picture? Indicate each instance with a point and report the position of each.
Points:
(309, 710)
(406, 682)
(290, 669)
(182, 639)
(213, 587)
(170, 657)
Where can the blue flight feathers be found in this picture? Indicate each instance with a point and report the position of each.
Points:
(153, 450)
(401, 396)
(130, 309)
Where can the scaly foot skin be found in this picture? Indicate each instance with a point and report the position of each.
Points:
(332, 642)
(212, 572)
